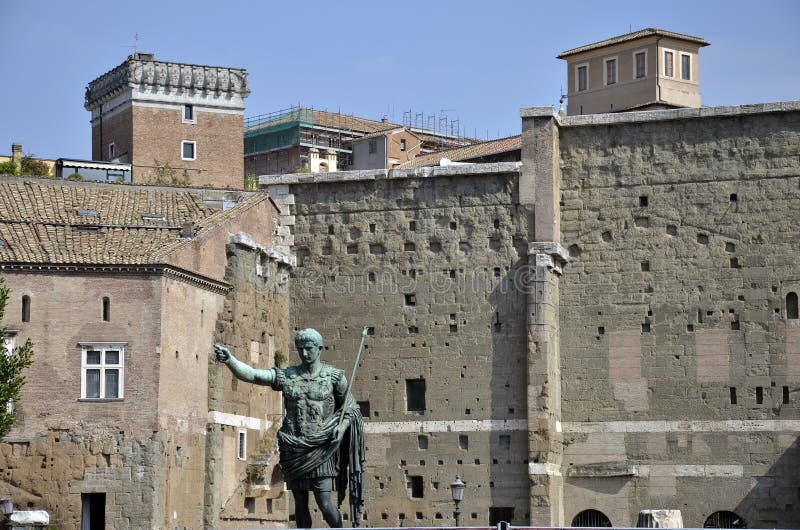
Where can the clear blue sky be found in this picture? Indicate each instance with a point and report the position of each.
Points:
(482, 61)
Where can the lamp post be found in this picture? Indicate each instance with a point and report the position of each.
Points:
(457, 489)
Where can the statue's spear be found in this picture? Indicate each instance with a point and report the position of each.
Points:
(353, 375)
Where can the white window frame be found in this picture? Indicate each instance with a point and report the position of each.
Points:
(111, 149)
(194, 149)
(635, 53)
(103, 347)
(578, 77)
(607, 60)
(663, 71)
(193, 119)
(241, 444)
(689, 55)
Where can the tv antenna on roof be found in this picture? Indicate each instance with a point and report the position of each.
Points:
(135, 46)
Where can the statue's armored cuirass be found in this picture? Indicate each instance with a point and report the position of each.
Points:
(310, 401)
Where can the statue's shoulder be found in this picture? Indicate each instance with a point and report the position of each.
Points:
(331, 371)
(290, 371)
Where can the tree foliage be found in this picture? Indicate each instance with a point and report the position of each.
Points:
(164, 174)
(31, 166)
(12, 364)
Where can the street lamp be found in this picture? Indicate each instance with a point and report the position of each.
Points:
(457, 489)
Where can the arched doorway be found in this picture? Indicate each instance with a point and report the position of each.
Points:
(591, 519)
(724, 519)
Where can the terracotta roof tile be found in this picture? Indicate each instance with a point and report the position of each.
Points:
(647, 32)
(41, 223)
(468, 152)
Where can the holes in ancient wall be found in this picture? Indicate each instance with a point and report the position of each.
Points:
(504, 442)
(409, 246)
(415, 395)
(411, 299)
(785, 395)
(464, 247)
(422, 442)
(575, 251)
(672, 230)
(497, 272)
(645, 265)
(453, 225)
(463, 441)
(643, 201)
(759, 395)
(730, 247)
(371, 277)
(733, 398)
(496, 223)
(413, 330)
(495, 244)
(607, 237)
(601, 330)
(331, 230)
(327, 250)
(702, 239)
(734, 197)
(352, 249)
(364, 407)
(372, 228)
(414, 486)
(734, 263)
(435, 246)
(376, 248)
(646, 327)
(641, 222)
(412, 225)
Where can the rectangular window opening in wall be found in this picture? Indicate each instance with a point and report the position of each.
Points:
(363, 406)
(415, 395)
(498, 515)
(102, 370)
(640, 64)
(93, 511)
(188, 114)
(188, 150)
(669, 64)
(111, 151)
(250, 504)
(581, 77)
(733, 395)
(610, 72)
(759, 395)
(373, 146)
(505, 441)
(786, 395)
(463, 441)
(414, 486)
(26, 308)
(403, 144)
(686, 67)
(106, 309)
(241, 446)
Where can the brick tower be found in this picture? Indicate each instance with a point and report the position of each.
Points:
(175, 123)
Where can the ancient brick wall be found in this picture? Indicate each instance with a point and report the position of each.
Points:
(428, 262)
(679, 352)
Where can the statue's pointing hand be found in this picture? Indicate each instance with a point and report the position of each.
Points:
(221, 353)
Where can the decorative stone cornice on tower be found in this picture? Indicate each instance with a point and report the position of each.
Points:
(143, 73)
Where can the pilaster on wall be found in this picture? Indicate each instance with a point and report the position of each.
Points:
(539, 188)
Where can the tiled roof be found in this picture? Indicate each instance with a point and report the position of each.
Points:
(384, 132)
(354, 123)
(469, 152)
(58, 223)
(647, 32)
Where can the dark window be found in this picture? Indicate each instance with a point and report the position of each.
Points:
(498, 515)
(463, 441)
(785, 395)
(106, 309)
(591, 519)
(187, 150)
(724, 519)
(363, 406)
(402, 145)
(733, 395)
(373, 146)
(415, 395)
(93, 511)
(188, 113)
(414, 487)
(686, 67)
(668, 64)
(791, 306)
(640, 64)
(759, 395)
(583, 78)
(26, 308)
(611, 71)
(250, 504)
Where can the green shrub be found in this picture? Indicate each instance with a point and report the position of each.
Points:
(33, 167)
(8, 168)
(75, 176)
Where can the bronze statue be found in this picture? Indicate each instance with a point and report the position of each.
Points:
(321, 440)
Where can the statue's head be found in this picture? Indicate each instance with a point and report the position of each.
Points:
(309, 345)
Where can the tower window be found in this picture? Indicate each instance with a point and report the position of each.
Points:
(241, 448)
(611, 71)
(111, 151)
(188, 151)
(669, 64)
(403, 144)
(686, 67)
(106, 309)
(188, 114)
(640, 65)
(582, 77)
(791, 306)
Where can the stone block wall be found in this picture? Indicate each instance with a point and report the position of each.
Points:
(678, 348)
(429, 261)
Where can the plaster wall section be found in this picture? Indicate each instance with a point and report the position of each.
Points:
(677, 346)
(430, 262)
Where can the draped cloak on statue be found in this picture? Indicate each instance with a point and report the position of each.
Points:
(310, 458)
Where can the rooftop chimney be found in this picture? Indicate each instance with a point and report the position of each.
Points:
(16, 154)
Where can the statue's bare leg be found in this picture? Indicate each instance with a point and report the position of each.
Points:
(329, 510)
(301, 513)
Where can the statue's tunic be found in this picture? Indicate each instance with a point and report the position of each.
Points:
(311, 404)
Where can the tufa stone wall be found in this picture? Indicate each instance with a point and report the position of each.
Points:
(429, 261)
(679, 357)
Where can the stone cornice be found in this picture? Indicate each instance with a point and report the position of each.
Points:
(168, 271)
(166, 76)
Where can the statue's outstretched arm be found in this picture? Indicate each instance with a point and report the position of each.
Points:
(241, 370)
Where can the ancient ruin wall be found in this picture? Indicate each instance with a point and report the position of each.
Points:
(429, 263)
(674, 319)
